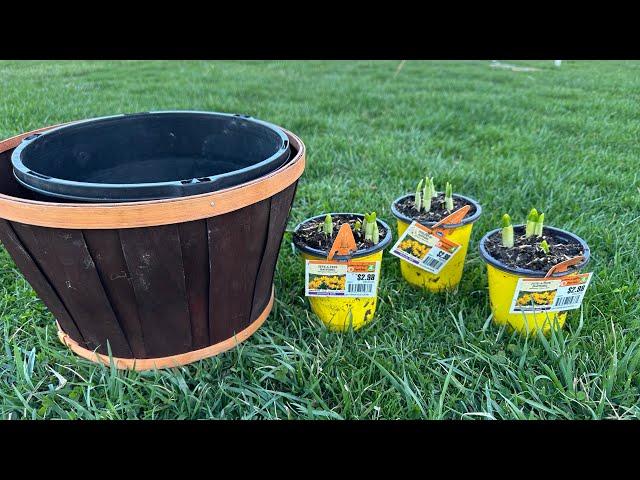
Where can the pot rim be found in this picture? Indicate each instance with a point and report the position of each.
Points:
(164, 189)
(525, 272)
(360, 253)
(449, 226)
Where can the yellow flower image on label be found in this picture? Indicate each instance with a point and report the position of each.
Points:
(412, 247)
(327, 283)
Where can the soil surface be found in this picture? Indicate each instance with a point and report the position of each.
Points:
(311, 234)
(526, 252)
(438, 212)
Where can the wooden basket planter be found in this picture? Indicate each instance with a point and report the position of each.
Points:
(164, 282)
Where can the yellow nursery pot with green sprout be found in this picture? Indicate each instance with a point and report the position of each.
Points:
(460, 233)
(341, 313)
(503, 280)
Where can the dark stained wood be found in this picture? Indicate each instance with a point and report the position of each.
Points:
(64, 256)
(279, 213)
(236, 243)
(154, 259)
(159, 291)
(37, 279)
(195, 258)
(106, 252)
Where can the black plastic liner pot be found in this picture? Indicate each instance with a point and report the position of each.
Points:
(150, 155)
(163, 282)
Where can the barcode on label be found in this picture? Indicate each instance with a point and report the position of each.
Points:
(434, 263)
(359, 288)
(566, 301)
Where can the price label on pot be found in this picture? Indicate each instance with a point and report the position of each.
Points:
(550, 294)
(421, 247)
(324, 278)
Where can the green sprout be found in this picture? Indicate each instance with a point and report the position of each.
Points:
(327, 227)
(371, 231)
(418, 197)
(448, 197)
(545, 247)
(427, 195)
(426, 191)
(532, 220)
(357, 226)
(507, 231)
(539, 224)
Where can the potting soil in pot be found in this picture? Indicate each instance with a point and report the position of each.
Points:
(527, 253)
(406, 206)
(311, 235)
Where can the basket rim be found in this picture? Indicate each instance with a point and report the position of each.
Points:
(148, 213)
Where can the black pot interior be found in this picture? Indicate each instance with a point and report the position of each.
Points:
(178, 148)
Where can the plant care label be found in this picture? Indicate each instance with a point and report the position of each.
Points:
(331, 278)
(422, 247)
(550, 294)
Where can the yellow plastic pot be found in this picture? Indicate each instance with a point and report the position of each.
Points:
(339, 314)
(460, 233)
(503, 281)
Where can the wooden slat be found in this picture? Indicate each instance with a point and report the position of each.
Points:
(236, 243)
(105, 249)
(63, 255)
(38, 280)
(195, 258)
(280, 207)
(154, 259)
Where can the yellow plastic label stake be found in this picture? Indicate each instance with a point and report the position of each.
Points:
(551, 294)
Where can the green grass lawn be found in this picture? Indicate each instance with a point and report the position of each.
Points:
(562, 139)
